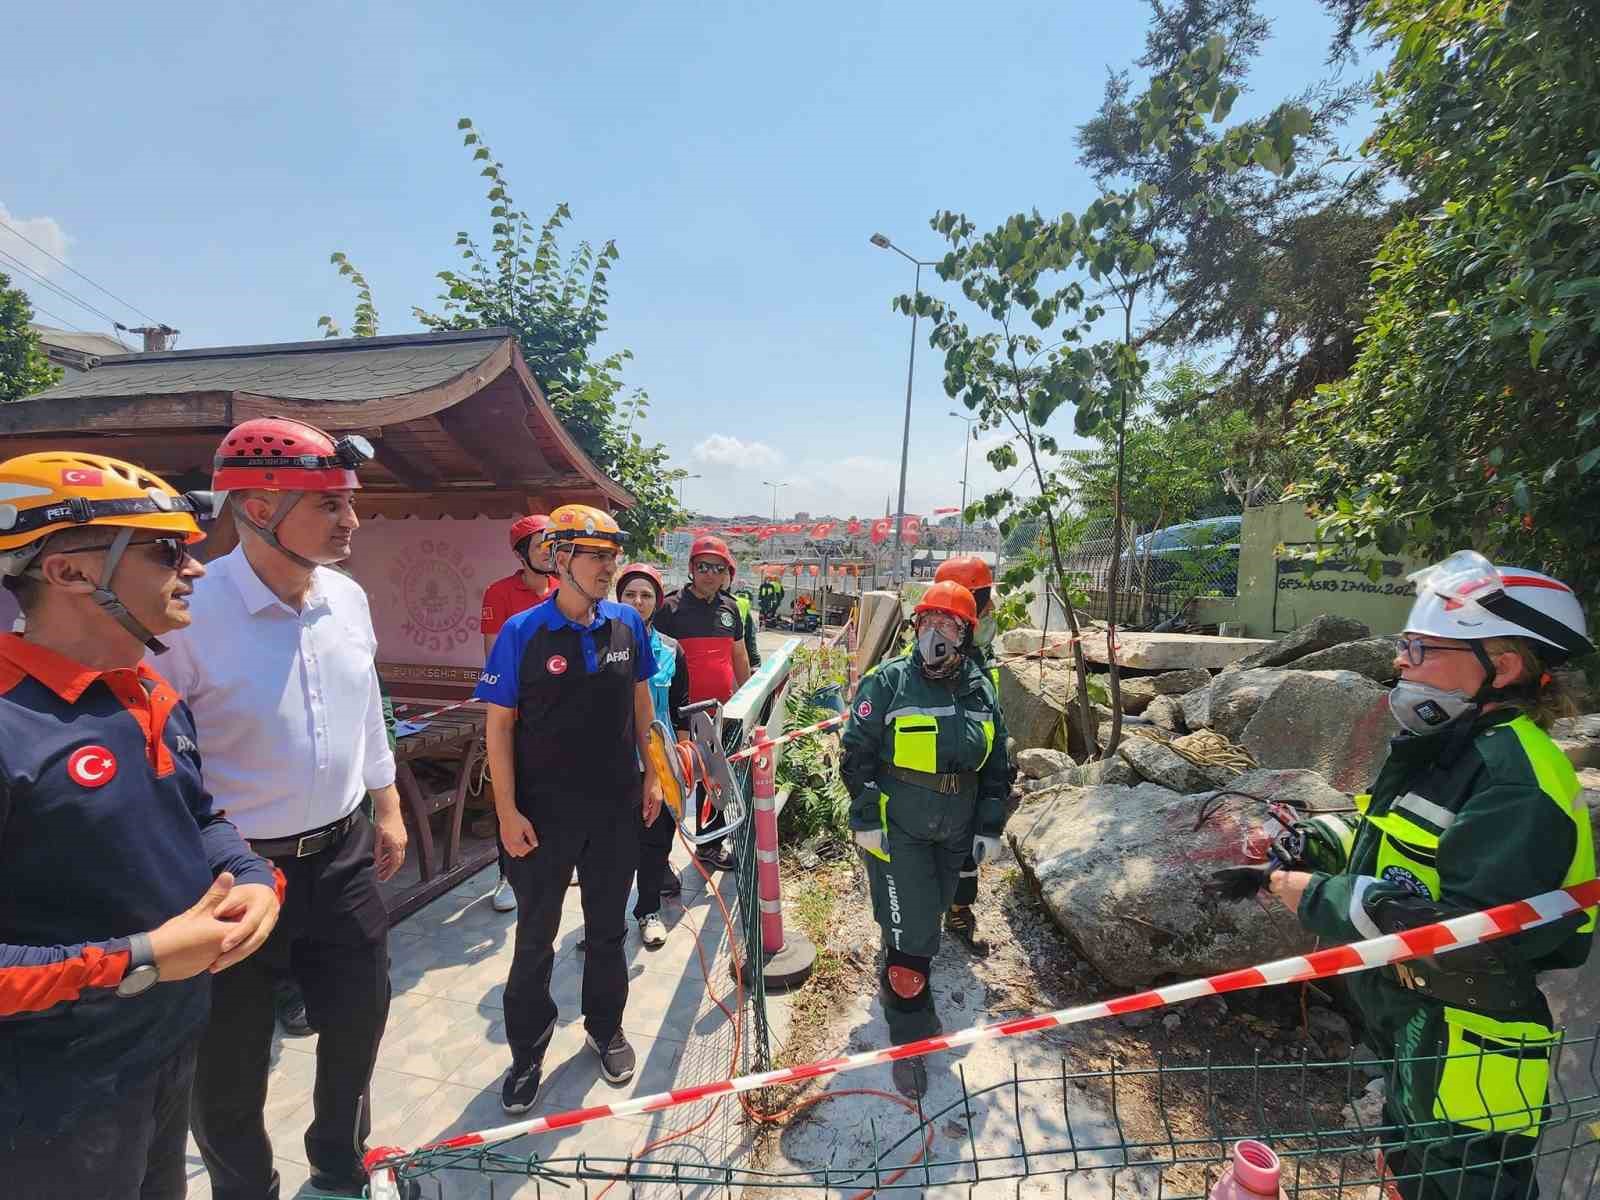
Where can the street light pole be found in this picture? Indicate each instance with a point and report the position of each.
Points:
(966, 455)
(883, 243)
(774, 487)
(681, 478)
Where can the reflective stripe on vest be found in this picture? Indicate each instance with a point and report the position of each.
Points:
(1559, 781)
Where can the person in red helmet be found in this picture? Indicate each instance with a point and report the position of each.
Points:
(972, 573)
(705, 620)
(279, 667)
(503, 599)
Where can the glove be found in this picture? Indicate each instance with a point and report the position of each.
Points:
(1240, 883)
(984, 848)
(870, 840)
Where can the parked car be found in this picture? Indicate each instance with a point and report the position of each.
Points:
(1198, 557)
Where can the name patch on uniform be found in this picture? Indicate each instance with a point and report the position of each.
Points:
(489, 679)
(616, 656)
(864, 709)
(184, 744)
(91, 766)
(1407, 880)
(556, 665)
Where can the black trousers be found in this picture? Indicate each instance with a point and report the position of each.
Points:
(333, 935)
(602, 843)
(967, 883)
(126, 1147)
(655, 846)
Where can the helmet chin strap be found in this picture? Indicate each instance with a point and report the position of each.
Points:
(569, 579)
(268, 533)
(113, 607)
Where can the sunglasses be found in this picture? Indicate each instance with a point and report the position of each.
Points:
(710, 568)
(171, 552)
(1415, 651)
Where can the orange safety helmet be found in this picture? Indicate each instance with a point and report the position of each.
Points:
(646, 570)
(583, 525)
(44, 493)
(280, 454)
(950, 597)
(527, 527)
(970, 571)
(710, 546)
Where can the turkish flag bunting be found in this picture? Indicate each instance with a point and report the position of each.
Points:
(881, 528)
(854, 527)
(821, 530)
(910, 530)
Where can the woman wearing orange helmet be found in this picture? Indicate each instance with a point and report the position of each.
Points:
(925, 764)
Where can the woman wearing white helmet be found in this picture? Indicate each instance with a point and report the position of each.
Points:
(1474, 807)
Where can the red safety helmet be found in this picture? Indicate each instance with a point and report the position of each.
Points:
(710, 546)
(527, 527)
(649, 572)
(970, 571)
(949, 597)
(278, 454)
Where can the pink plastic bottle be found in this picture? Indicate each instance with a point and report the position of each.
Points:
(1254, 1173)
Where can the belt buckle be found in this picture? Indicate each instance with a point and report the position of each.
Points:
(950, 785)
(300, 850)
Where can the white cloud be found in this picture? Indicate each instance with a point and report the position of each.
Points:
(724, 450)
(45, 231)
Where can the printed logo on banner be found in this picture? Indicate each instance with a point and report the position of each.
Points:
(433, 581)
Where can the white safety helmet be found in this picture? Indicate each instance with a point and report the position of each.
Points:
(1468, 598)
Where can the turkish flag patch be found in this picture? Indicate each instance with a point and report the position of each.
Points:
(864, 709)
(91, 766)
(82, 477)
(556, 665)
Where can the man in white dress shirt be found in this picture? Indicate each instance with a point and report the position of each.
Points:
(278, 668)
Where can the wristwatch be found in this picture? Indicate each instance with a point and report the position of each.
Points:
(142, 973)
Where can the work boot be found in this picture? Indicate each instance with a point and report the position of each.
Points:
(961, 923)
(290, 1007)
(910, 1077)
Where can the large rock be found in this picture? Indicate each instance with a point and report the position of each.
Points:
(1123, 871)
(1139, 690)
(1160, 764)
(1326, 630)
(1372, 657)
(1039, 762)
(1304, 790)
(1172, 651)
(1590, 781)
(1235, 696)
(1166, 712)
(1579, 739)
(1114, 770)
(1034, 695)
(1197, 707)
(1334, 722)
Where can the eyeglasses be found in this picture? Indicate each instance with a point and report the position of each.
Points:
(608, 557)
(1415, 651)
(710, 568)
(171, 552)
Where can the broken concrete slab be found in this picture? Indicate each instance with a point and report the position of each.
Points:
(1115, 770)
(1372, 657)
(1172, 651)
(1034, 695)
(1139, 690)
(1166, 712)
(1579, 739)
(1235, 696)
(1160, 764)
(1336, 723)
(1299, 789)
(1326, 630)
(1038, 762)
(1197, 707)
(1123, 872)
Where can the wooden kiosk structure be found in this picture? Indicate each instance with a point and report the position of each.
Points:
(465, 442)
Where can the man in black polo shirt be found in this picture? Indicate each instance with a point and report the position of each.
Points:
(568, 694)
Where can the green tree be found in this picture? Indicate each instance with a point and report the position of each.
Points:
(24, 369)
(556, 305)
(1472, 416)
(365, 322)
(1029, 280)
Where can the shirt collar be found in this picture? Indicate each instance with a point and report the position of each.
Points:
(257, 596)
(62, 675)
(558, 619)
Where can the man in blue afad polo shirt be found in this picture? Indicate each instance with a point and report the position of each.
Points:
(122, 889)
(568, 694)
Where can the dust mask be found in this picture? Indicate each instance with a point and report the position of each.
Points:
(1423, 709)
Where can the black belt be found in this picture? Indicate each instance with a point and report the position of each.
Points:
(951, 783)
(304, 845)
(1491, 991)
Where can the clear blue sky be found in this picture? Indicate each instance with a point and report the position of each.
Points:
(202, 160)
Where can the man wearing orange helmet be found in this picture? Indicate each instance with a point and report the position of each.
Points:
(705, 620)
(502, 600)
(279, 666)
(972, 573)
(925, 765)
(567, 687)
(122, 888)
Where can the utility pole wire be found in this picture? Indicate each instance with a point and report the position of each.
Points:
(60, 291)
(12, 229)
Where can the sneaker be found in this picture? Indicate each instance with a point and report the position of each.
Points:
(329, 1183)
(521, 1087)
(504, 899)
(652, 930)
(671, 885)
(616, 1060)
(715, 857)
(961, 923)
(290, 1007)
(910, 1077)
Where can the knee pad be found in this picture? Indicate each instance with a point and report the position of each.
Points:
(905, 982)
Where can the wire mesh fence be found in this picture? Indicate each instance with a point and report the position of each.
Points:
(1158, 1131)
(1159, 571)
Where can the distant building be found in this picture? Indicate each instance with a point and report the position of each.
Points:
(76, 352)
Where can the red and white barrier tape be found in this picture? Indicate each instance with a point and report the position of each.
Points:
(755, 748)
(435, 712)
(1454, 934)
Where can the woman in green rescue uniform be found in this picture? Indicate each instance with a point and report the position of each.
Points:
(925, 763)
(1476, 806)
